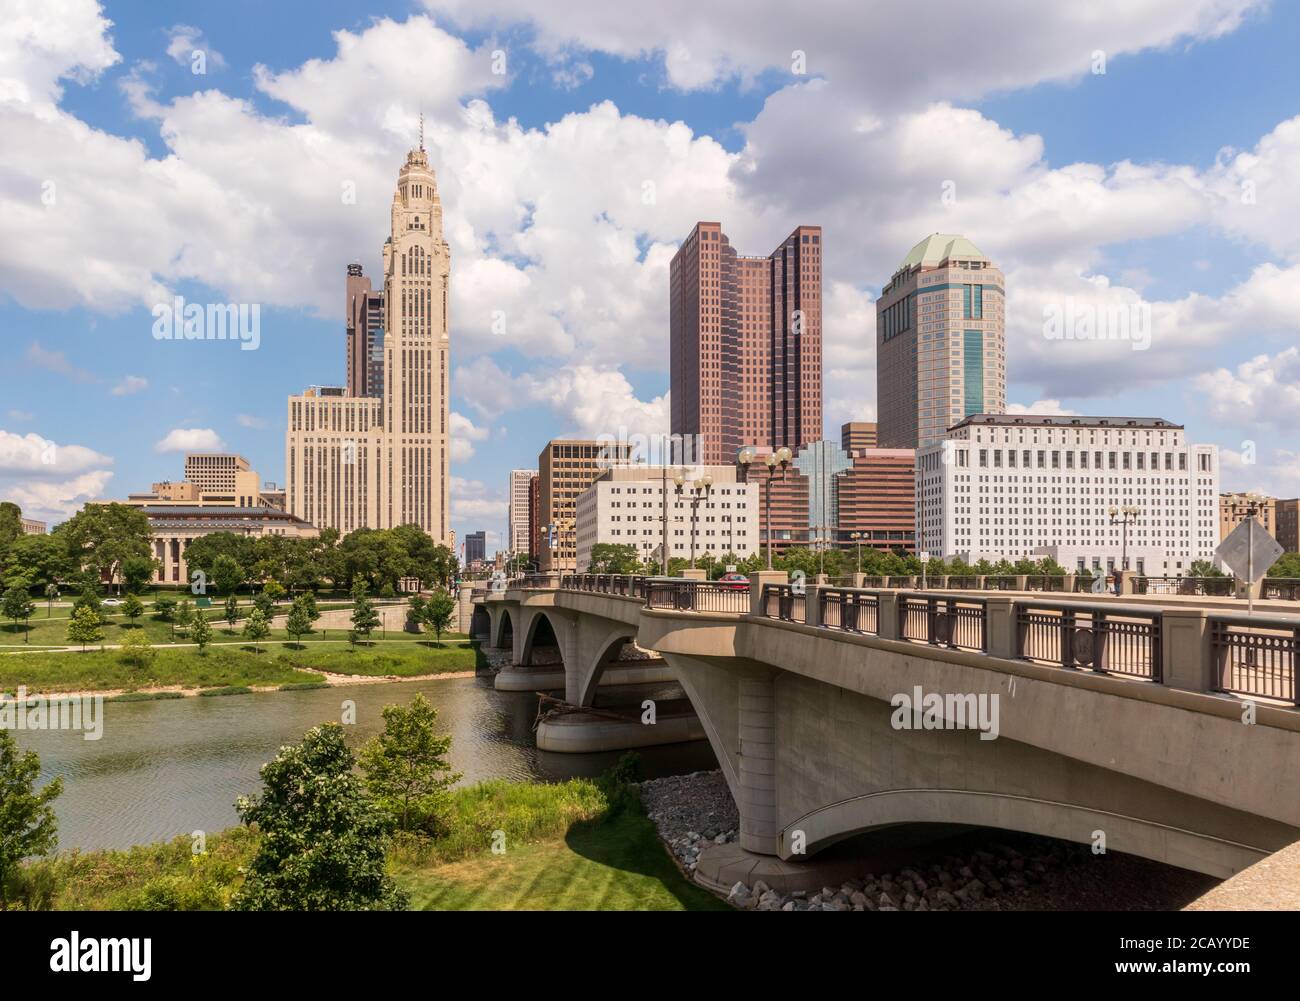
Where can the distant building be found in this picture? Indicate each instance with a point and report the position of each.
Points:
(1288, 524)
(1032, 486)
(33, 527)
(745, 344)
(830, 498)
(625, 506)
(856, 435)
(940, 342)
(1235, 508)
(520, 489)
(565, 468)
(364, 313)
(174, 527)
(534, 521)
(475, 547)
(211, 480)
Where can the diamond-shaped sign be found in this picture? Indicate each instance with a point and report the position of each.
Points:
(1249, 550)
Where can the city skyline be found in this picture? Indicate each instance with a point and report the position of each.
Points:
(560, 323)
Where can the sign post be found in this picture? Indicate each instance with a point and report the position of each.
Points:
(1248, 552)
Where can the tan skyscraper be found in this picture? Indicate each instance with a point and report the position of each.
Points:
(378, 462)
(940, 342)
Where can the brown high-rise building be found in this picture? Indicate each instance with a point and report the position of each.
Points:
(566, 468)
(746, 344)
(364, 310)
(1288, 524)
(857, 435)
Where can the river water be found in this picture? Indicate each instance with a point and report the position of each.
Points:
(176, 766)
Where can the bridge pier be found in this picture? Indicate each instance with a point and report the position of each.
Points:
(757, 793)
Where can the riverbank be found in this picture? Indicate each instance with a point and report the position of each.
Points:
(186, 670)
(561, 847)
(980, 870)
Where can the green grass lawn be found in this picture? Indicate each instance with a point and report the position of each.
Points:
(43, 631)
(232, 664)
(612, 865)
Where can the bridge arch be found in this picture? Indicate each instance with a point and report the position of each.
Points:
(1140, 836)
(596, 652)
(542, 630)
(503, 627)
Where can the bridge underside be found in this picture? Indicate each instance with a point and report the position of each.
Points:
(811, 764)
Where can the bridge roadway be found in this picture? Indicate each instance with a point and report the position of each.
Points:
(1167, 730)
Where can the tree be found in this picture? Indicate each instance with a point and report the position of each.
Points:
(28, 826)
(273, 590)
(42, 559)
(227, 574)
(298, 622)
(11, 524)
(51, 596)
(17, 605)
(438, 612)
(132, 608)
(263, 603)
(184, 616)
(232, 611)
(137, 572)
(323, 841)
(406, 767)
(364, 616)
(606, 557)
(85, 628)
(256, 628)
(137, 650)
(201, 634)
(165, 609)
(100, 537)
(89, 598)
(414, 613)
(1204, 568)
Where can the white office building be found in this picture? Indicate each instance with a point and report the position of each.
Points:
(626, 506)
(1030, 486)
(521, 482)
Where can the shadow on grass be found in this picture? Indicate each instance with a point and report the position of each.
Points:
(626, 840)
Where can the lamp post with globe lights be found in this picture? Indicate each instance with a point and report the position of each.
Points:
(1124, 516)
(699, 490)
(772, 459)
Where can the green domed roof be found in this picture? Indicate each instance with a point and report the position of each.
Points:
(940, 247)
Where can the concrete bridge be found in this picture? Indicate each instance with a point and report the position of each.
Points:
(1169, 731)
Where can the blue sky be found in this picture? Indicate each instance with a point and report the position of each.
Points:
(1169, 180)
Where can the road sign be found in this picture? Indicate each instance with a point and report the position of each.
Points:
(1249, 550)
(203, 603)
(925, 557)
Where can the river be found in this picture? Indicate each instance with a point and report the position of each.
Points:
(176, 766)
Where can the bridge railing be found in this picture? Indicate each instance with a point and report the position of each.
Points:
(1281, 588)
(1117, 639)
(956, 623)
(1256, 657)
(849, 610)
(697, 596)
(784, 602)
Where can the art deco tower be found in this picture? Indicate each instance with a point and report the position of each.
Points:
(417, 267)
(356, 461)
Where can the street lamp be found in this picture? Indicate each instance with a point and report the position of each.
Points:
(700, 490)
(780, 457)
(857, 541)
(1124, 516)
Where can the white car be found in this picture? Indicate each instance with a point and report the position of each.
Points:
(112, 602)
